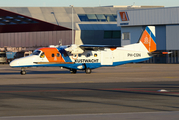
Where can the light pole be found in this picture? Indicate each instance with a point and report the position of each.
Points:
(72, 25)
(55, 17)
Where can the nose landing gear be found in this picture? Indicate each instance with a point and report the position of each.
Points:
(23, 72)
(73, 71)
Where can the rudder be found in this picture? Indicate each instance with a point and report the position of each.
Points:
(148, 38)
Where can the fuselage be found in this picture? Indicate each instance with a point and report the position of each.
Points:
(87, 57)
(58, 57)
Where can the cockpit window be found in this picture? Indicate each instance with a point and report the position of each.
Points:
(42, 55)
(36, 52)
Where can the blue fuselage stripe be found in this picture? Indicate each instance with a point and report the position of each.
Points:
(88, 65)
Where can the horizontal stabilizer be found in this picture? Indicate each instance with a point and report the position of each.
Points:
(159, 53)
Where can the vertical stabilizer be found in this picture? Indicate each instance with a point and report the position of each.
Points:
(148, 38)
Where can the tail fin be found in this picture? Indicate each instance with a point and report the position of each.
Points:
(148, 38)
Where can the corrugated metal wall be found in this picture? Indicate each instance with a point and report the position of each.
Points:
(156, 16)
(172, 37)
(35, 39)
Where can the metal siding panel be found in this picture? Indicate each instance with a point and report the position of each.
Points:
(54, 38)
(172, 37)
(24, 11)
(69, 10)
(49, 17)
(59, 37)
(23, 40)
(67, 37)
(27, 39)
(16, 39)
(38, 38)
(34, 39)
(30, 39)
(12, 39)
(69, 40)
(59, 9)
(46, 10)
(50, 38)
(19, 40)
(89, 10)
(177, 12)
(46, 39)
(4, 39)
(62, 17)
(8, 40)
(79, 10)
(35, 10)
(42, 36)
(1, 40)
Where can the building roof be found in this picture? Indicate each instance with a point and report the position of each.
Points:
(15, 22)
(61, 17)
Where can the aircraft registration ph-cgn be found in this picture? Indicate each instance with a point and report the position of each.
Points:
(88, 57)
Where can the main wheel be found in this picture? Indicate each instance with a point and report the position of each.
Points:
(23, 72)
(88, 70)
(73, 71)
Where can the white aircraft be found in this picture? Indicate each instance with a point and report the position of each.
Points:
(88, 57)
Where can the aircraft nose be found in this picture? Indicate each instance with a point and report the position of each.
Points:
(13, 63)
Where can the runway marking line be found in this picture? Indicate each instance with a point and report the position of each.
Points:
(110, 89)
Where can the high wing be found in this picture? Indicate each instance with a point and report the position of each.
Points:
(78, 49)
(96, 47)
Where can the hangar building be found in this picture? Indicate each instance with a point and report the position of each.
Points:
(166, 22)
(28, 28)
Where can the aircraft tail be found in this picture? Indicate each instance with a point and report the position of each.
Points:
(148, 39)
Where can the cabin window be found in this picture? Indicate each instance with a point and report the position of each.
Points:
(79, 55)
(58, 55)
(53, 55)
(88, 55)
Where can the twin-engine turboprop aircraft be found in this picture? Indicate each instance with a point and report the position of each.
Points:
(88, 57)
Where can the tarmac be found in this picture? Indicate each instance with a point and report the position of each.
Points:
(123, 73)
(131, 91)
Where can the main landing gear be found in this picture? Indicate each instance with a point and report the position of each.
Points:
(23, 72)
(87, 70)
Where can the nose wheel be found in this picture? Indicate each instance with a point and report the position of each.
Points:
(23, 72)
